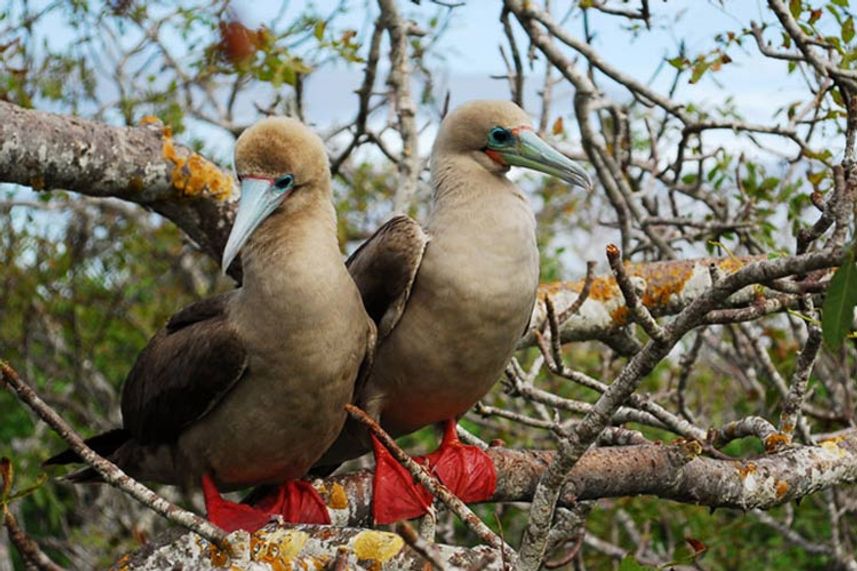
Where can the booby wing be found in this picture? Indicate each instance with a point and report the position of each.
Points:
(384, 268)
(184, 371)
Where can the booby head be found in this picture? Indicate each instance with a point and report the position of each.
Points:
(499, 134)
(282, 167)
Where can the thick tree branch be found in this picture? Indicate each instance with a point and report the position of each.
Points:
(669, 287)
(307, 547)
(673, 472)
(138, 164)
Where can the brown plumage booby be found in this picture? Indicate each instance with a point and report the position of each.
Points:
(249, 387)
(470, 280)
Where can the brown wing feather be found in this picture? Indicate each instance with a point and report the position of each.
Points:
(183, 372)
(384, 268)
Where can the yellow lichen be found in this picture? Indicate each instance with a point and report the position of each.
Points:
(149, 120)
(277, 548)
(832, 445)
(377, 546)
(194, 175)
(691, 448)
(338, 497)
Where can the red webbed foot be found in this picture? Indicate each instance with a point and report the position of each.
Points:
(395, 494)
(466, 470)
(230, 516)
(295, 502)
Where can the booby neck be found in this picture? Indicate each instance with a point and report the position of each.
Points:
(469, 197)
(290, 256)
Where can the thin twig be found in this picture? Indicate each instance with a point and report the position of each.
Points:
(432, 484)
(428, 551)
(30, 551)
(111, 473)
(632, 300)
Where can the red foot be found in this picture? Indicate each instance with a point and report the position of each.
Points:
(395, 494)
(466, 470)
(296, 502)
(229, 515)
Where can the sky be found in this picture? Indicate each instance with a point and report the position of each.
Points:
(757, 86)
(471, 46)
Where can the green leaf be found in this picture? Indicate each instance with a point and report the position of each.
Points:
(629, 563)
(677, 62)
(848, 30)
(699, 70)
(319, 29)
(838, 310)
(794, 8)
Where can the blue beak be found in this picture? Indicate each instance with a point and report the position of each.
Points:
(533, 153)
(259, 198)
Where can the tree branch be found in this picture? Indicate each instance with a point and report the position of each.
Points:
(138, 164)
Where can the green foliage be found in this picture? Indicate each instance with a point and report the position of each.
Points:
(82, 288)
(838, 310)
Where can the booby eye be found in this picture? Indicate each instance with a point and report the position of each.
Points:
(499, 136)
(284, 182)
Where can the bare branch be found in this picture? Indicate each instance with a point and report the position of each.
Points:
(111, 473)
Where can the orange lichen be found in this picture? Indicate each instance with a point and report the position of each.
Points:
(194, 175)
(123, 563)
(553, 288)
(781, 488)
(746, 470)
(662, 280)
(731, 264)
(620, 315)
(602, 288)
(338, 497)
(217, 556)
(778, 440)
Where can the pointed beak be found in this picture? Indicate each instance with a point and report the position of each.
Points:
(533, 153)
(259, 198)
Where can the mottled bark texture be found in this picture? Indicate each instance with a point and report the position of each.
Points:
(305, 547)
(138, 164)
(670, 471)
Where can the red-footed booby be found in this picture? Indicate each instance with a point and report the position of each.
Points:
(249, 387)
(451, 301)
